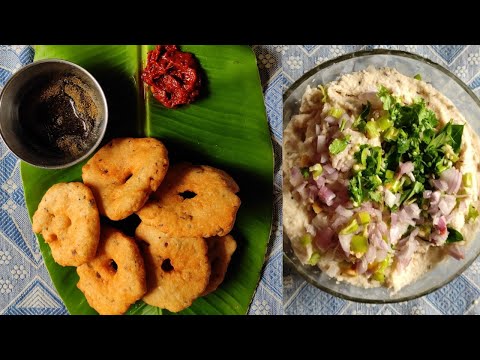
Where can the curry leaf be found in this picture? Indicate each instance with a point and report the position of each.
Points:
(453, 236)
(457, 132)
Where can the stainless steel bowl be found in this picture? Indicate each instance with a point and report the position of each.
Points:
(463, 98)
(20, 141)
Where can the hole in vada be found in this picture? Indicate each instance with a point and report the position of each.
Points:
(127, 178)
(187, 194)
(113, 265)
(166, 265)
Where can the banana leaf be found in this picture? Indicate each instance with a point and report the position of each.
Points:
(225, 128)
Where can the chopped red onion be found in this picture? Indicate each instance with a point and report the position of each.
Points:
(329, 169)
(405, 168)
(397, 230)
(321, 141)
(435, 198)
(302, 190)
(407, 247)
(326, 195)
(412, 211)
(440, 184)
(382, 227)
(312, 192)
(310, 229)
(371, 254)
(323, 158)
(456, 251)
(372, 98)
(318, 221)
(345, 241)
(453, 178)
(427, 194)
(330, 120)
(320, 182)
(331, 178)
(344, 212)
(296, 177)
(390, 198)
(394, 218)
(324, 238)
(447, 204)
(339, 222)
(441, 225)
(362, 266)
(381, 255)
(437, 238)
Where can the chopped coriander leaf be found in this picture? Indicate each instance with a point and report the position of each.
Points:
(408, 133)
(355, 189)
(375, 196)
(387, 98)
(418, 77)
(441, 138)
(453, 236)
(338, 145)
(408, 194)
(364, 184)
(362, 119)
(305, 172)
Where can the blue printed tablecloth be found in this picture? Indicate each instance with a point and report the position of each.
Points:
(461, 296)
(25, 286)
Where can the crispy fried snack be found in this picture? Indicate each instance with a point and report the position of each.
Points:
(124, 173)
(178, 269)
(68, 219)
(115, 278)
(220, 251)
(193, 201)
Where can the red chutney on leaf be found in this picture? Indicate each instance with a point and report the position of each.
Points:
(173, 75)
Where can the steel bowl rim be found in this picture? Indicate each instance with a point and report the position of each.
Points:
(97, 89)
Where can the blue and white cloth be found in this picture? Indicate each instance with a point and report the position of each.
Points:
(461, 296)
(25, 286)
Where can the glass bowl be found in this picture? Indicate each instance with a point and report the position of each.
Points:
(452, 87)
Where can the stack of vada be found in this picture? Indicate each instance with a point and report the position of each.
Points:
(182, 247)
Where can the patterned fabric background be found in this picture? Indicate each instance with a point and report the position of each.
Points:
(25, 286)
(461, 296)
